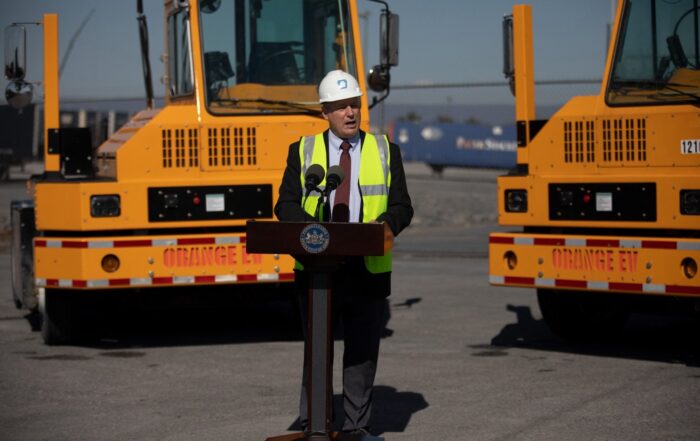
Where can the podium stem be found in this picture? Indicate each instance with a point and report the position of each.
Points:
(320, 336)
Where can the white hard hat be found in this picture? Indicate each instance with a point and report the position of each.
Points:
(338, 85)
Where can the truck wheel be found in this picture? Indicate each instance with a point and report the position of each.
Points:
(55, 306)
(582, 316)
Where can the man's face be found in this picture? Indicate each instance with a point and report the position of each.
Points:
(343, 117)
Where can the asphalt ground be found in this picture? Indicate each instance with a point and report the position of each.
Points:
(460, 360)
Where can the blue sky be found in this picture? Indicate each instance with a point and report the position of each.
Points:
(441, 41)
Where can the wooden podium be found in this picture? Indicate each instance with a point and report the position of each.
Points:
(320, 247)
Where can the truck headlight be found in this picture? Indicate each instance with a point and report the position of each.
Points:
(690, 202)
(516, 201)
(107, 205)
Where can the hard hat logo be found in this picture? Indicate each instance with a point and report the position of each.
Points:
(338, 85)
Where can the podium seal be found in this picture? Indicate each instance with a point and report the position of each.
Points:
(314, 238)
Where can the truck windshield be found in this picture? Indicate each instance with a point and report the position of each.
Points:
(268, 56)
(657, 58)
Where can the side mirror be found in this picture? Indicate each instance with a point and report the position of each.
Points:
(15, 52)
(209, 6)
(378, 79)
(18, 92)
(508, 63)
(389, 39)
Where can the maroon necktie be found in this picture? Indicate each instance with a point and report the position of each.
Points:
(341, 205)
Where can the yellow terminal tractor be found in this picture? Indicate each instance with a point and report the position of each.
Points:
(607, 190)
(164, 200)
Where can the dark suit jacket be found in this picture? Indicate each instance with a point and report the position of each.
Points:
(398, 214)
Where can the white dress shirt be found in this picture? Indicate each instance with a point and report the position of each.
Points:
(334, 159)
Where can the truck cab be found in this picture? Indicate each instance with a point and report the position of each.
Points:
(165, 199)
(604, 204)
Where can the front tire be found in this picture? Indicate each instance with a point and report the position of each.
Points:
(582, 316)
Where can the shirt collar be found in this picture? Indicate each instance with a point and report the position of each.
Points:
(334, 142)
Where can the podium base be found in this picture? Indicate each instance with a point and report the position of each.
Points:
(301, 436)
(333, 436)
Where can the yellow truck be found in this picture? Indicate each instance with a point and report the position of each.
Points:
(606, 192)
(164, 201)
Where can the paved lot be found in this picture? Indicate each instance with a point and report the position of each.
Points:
(460, 360)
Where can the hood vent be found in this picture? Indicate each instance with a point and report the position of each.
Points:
(579, 141)
(221, 148)
(230, 147)
(180, 148)
(624, 141)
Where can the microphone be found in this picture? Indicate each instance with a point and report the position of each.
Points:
(335, 177)
(314, 176)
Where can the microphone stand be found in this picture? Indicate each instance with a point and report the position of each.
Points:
(319, 213)
(326, 197)
(321, 205)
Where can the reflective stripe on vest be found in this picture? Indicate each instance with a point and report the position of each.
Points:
(310, 155)
(374, 182)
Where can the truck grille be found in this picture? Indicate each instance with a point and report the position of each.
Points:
(221, 148)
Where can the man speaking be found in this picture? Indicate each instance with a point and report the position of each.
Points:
(371, 187)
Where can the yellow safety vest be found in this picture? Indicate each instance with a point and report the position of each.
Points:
(374, 179)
